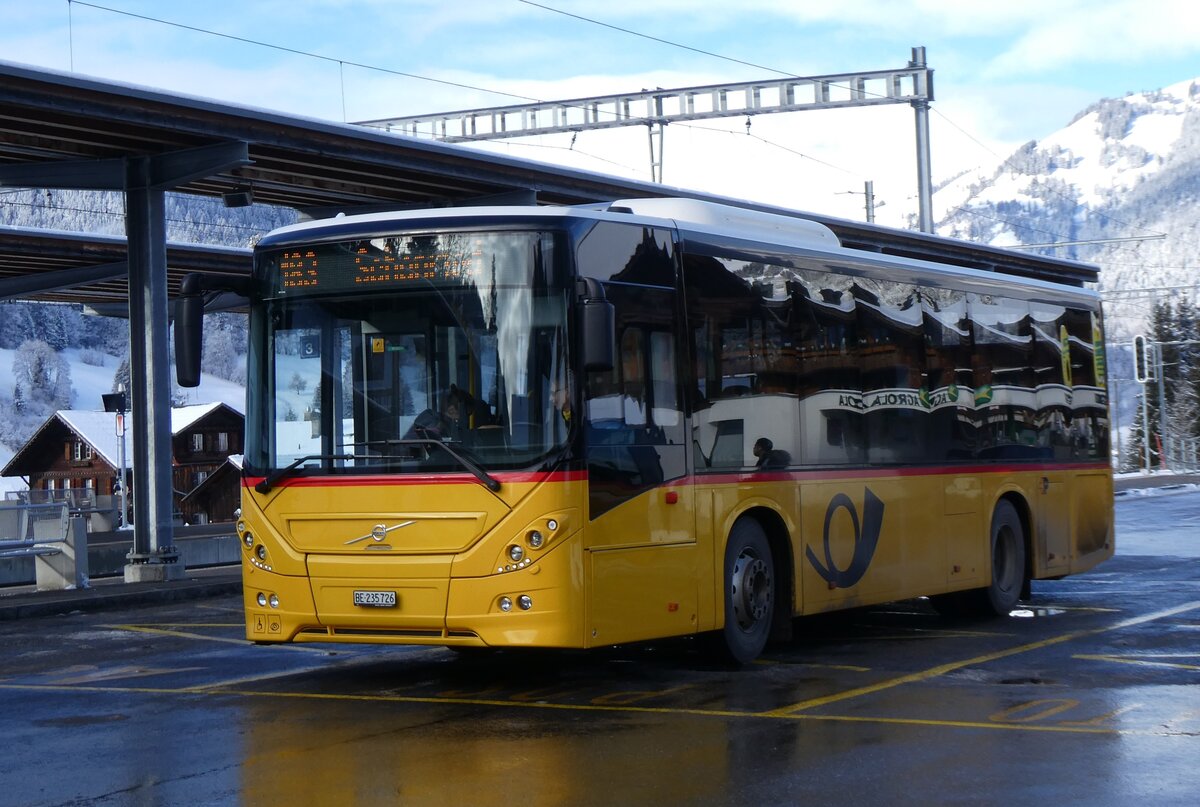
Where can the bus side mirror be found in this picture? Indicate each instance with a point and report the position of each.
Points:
(598, 328)
(189, 331)
(189, 317)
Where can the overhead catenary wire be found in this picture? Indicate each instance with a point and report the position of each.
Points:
(1076, 204)
(299, 52)
(341, 62)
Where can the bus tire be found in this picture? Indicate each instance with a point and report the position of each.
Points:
(1008, 561)
(1006, 542)
(749, 592)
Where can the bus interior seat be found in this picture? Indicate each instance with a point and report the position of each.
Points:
(489, 437)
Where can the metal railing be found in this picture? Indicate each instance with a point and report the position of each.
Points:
(100, 510)
(32, 529)
(48, 533)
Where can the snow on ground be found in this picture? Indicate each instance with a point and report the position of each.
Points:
(90, 381)
(1159, 521)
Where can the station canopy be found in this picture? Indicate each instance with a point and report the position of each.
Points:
(62, 120)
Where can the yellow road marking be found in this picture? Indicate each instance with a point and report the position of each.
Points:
(1142, 661)
(943, 669)
(1095, 609)
(842, 667)
(222, 608)
(273, 674)
(1034, 711)
(1099, 719)
(181, 625)
(591, 707)
(126, 671)
(792, 712)
(915, 633)
(183, 634)
(177, 633)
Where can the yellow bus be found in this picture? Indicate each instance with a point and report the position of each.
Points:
(580, 426)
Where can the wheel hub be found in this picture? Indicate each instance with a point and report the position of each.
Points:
(751, 590)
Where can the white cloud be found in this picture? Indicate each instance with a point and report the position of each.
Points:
(1120, 32)
(1003, 72)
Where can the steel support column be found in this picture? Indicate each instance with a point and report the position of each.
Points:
(924, 167)
(145, 228)
(144, 180)
(655, 131)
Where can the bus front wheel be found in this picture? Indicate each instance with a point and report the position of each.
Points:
(749, 591)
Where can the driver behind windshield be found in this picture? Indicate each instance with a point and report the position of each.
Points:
(448, 424)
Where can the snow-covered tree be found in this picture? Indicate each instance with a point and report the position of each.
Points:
(16, 324)
(220, 354)
(121, 376)
(41, 378)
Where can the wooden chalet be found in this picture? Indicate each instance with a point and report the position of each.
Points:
(75, 456)
(217, 497)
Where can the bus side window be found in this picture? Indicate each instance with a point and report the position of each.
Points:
(633, 377)
(633, 422)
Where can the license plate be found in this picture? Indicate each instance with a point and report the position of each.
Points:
(375, 599)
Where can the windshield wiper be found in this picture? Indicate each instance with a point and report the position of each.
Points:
(279, 473)
(488, 481)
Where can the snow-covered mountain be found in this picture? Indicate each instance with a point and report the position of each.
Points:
(1123, 168)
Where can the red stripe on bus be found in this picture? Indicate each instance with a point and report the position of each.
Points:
(418, 479)
(823, 475)
(871, 473)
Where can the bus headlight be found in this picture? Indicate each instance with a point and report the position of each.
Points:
(262, 600)
(248, 540)
(505, 603)
(516, 553)
(261, 552)
(524, 602)
(536, 539)
(273, 600)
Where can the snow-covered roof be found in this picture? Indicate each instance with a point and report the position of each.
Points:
(99, 429)
(184, 416)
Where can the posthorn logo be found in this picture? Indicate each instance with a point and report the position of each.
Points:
(866, 538)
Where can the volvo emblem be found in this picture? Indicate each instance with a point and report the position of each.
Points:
(379, 532)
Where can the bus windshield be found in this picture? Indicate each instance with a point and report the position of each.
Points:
(408, 354)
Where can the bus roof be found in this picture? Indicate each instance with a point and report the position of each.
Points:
(761, 223)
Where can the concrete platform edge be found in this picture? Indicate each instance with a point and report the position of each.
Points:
(112, 596)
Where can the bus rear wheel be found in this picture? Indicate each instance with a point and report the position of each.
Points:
(1000, 596)
(1008, 562)
(749, 591)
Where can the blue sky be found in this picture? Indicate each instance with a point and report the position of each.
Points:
(1005, 72)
